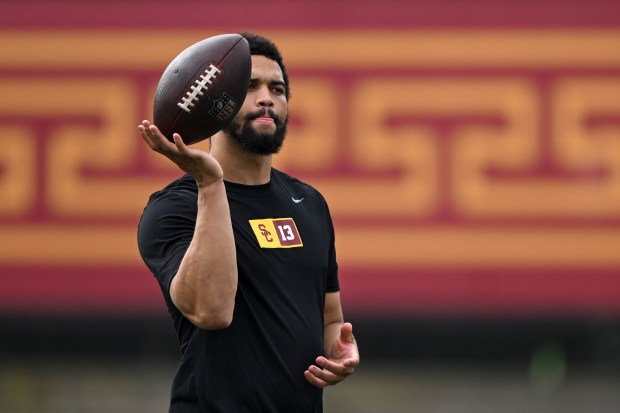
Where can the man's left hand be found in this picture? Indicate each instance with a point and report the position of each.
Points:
(344, 357)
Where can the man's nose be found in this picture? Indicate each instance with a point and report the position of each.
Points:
(264, 98)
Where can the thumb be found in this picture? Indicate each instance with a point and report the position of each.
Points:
(346, 333)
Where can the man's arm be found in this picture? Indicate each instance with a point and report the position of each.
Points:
(341, 352)
(205, 285)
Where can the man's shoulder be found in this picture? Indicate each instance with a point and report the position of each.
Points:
(293, 182)
(184, 183)
(180, 189)
(300, 191)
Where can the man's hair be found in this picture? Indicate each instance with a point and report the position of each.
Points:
(262, 46)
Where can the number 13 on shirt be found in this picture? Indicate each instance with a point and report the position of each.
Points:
(276, 233)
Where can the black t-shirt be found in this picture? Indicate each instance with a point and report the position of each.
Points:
(286, 263)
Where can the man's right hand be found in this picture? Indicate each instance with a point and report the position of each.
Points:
(202, 166)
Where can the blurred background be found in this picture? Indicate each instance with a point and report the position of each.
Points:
(469, 151)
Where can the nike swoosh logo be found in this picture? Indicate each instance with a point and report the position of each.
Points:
(297, 200)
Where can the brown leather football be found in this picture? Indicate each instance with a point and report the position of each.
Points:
(203, 88)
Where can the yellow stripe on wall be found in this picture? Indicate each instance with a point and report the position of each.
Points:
(323, 49)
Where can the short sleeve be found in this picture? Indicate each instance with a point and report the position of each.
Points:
(333, 284)
(165, 231)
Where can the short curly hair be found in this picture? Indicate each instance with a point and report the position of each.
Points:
(261, 46)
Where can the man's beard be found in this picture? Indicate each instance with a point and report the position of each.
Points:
(260, 143)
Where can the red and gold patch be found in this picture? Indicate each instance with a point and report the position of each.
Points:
(276, 233)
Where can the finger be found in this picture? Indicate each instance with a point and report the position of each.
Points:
(325, 376)
(352, 362)
(178, 141)
(336, 368)
(160, 142)
(146, 136)
(154, 131)
(312, 379)
(144, 131)
(144, 125)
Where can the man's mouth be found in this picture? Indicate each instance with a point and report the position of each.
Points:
(265, 116)
(264, 119)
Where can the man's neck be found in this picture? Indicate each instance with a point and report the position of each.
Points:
(240, 166)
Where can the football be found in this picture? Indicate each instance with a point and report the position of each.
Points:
(203, 88)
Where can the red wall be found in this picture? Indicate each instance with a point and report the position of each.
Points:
(469, 150)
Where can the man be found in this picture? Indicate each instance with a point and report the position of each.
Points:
(244, 255)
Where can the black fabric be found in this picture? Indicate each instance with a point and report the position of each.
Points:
(257, 363)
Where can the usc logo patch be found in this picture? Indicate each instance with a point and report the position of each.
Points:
(276, 233)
